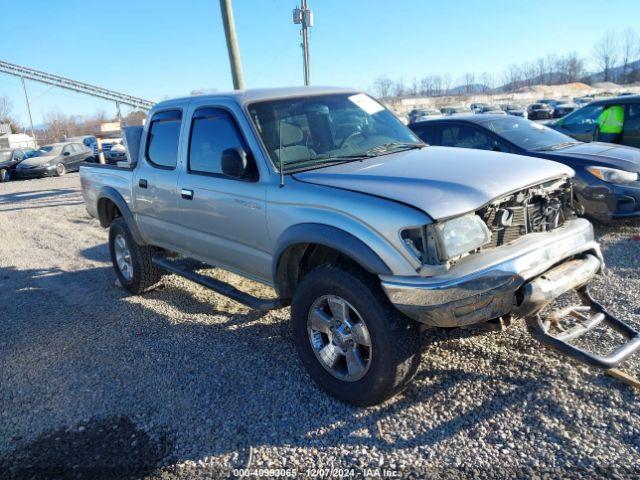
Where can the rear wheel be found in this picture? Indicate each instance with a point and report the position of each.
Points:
(131, 261)
(352, 341)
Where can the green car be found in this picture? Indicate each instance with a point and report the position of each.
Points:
(581, 124)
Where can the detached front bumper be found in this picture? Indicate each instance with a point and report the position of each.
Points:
(484, 286)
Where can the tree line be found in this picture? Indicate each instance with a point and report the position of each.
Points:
(614, 56)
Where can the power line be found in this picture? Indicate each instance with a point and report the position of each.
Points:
(69, 84)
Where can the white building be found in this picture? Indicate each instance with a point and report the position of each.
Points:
(16, 140)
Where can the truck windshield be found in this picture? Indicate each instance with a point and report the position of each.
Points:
(311, 132)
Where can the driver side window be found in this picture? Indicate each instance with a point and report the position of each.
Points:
(585, 116)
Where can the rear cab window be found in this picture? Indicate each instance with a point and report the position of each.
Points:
(163, 137)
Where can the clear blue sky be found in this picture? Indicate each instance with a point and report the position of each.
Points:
(157, 49)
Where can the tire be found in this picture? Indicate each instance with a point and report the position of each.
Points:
(60, 170)
(5, 176)
(393, 356)
(140, 273)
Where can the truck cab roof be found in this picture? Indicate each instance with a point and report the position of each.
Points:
(258, 94)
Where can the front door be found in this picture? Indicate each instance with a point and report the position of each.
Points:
(582, 123)
(155, 181)
(224, 218)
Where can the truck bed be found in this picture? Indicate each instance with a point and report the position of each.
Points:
(96, 176)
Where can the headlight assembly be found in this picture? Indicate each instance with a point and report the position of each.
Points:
(461, 235)
(445, 241)
(613, 175)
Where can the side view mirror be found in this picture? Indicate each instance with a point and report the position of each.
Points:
(235, 163)
(66, 154)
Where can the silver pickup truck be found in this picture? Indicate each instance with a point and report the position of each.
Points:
(368, 234)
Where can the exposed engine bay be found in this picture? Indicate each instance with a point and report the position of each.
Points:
(540, 208)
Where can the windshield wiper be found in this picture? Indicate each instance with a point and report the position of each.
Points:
(393, 146)
(325, 161)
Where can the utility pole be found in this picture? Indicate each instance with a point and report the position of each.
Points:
(26, 97)
(303, 16)
(232, 44)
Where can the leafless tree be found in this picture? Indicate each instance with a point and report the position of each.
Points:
(400, 88)
(605, 54)
(382, 87)
(573, 67)
(629, 51)
(468, 81)
(6, 106)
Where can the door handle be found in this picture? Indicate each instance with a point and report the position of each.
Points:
(142, 183)
(186, 194)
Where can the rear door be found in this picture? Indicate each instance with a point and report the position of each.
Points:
(155, 180)
(631, 129)
(223, 217)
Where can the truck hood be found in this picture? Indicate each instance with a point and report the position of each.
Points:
(442, 182)
(600, 154)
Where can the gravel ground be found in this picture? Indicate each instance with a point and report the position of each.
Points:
(184, 383)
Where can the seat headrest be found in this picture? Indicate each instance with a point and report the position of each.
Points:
(290, 134)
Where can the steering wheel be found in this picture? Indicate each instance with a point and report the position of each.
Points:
(350, 137)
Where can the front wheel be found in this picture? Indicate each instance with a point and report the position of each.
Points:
(352, 341)
(5, 175)
(60, 169)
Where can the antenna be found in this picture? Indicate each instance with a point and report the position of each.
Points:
(280, 153)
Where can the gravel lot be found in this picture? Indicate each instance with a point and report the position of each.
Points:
(184, 383)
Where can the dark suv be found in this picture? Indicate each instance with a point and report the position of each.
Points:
(539, 111)
(582, 123)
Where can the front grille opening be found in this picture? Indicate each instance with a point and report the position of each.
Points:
(540, 208)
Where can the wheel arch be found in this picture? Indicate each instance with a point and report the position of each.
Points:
(303, 246)
(111, 204)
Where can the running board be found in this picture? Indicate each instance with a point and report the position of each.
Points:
(186, 267)
(586, 317)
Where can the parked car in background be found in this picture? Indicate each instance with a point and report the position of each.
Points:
(563, 109)
(9, 158)
(366, 235)
(454, 111)
(491, 109)
(54, 160)
(88, 141)
(551, 102)
(116, 154)
(581, 124)
(606, 184)
(539, 111)
(476, 107)
(107, 144)
(426, 113)
(515, 109)
(29, 152)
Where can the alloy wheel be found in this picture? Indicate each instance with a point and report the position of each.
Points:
(339, 338)
(123, 257)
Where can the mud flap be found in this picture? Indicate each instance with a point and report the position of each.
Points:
(549, 330)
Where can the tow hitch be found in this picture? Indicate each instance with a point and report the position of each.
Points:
(558, 328)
